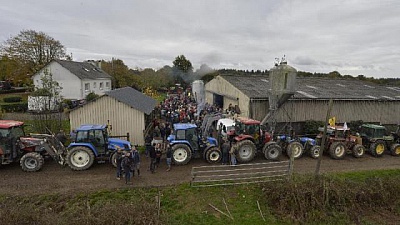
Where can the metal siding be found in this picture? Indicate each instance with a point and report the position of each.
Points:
(385, 112)
(122, 118)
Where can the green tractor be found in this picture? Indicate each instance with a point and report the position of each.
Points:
(375, 139)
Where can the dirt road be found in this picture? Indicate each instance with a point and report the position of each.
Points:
(56, 179)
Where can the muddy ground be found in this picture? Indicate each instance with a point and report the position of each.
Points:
(56, 179)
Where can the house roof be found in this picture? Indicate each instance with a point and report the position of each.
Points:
(317, 88)
(134, 99)
(83, 70)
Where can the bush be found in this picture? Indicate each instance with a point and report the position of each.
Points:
(15, 107)
(91, 96)
(13, 99)
(311, 126)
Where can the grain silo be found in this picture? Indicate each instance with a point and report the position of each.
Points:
(198, 93)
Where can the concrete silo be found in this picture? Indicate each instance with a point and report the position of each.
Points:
(199, 93)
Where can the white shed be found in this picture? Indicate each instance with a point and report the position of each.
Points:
(124, 108)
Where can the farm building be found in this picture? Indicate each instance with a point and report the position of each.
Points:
(353, 99)
(124, 108)
(77, 79)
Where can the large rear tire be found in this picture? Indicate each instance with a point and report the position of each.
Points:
(181, 154)
(245, 151)
(337, 150)
(213, 155)
(378, 148)
(80, 158)
(113, 159)
(272, 151)
(295, 148)
(395, 150)
(315, 151)
(358, 151)
(31, 162)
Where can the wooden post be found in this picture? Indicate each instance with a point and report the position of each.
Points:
(127, 136)
(328, 114)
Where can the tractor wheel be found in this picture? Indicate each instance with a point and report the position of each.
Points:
(295, 148)
(113, 159)
(315, 151)
(213, 155)
(337, 150)
(378, 148)
(358, 151)
(395, 149)
(31, 162)
(272, 151)
(181, 154)
(245, 151)
(80, 158)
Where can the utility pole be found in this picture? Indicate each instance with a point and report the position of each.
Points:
(328, 114)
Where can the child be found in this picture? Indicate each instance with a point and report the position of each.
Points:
(127, 165)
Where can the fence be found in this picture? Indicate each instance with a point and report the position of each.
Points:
(127, 136)
(222, 175)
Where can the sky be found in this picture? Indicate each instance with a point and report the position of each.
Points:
(352, 37)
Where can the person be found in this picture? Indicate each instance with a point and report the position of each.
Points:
(136, 162)
(225, 151)
(118, 158)
(152, 154)
(127, 165)
(61, 137)
(233, 157)
(169, 157)
(148, 141)
(158, 155)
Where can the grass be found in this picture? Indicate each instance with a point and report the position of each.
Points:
(182, 204)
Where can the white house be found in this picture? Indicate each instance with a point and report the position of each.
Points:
(77, 79)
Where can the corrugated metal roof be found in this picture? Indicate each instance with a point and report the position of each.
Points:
(134, 99)
(84, 70)
(317, 88)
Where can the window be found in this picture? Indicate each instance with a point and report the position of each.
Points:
(107, 84)
(94, 85)
(87, 86)
(101, 86)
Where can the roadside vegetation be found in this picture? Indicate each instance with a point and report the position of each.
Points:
(370, 197)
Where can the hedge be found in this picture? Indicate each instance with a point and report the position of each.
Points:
(12, 99)
(15, 107)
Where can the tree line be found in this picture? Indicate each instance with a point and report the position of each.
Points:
(21, 56)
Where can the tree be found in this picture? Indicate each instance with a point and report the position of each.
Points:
(47, 96)
(119, 71)
(182, 64)
(32, 49)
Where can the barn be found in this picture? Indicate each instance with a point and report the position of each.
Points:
(353, 99)
(124, 108)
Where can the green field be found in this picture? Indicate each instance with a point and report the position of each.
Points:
(345, 198)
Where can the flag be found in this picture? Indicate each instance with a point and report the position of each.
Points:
(332, 121)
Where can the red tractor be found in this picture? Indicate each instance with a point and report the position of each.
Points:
(248, 137)
(29, 151)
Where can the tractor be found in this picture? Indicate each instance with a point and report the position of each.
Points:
(310, 145)
(375, 139)
(30, 151)
(186, 143)
(93, 143)
(340, 142)
(248, 137)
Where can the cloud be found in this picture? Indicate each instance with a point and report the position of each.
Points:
(355, 37)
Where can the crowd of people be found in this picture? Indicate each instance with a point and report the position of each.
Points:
(177, 108)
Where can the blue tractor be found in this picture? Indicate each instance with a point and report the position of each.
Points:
(186, 143)
(91, 142)
(299, 145)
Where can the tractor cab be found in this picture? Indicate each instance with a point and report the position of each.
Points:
(186, 132)
(96, 135)
(10, 132)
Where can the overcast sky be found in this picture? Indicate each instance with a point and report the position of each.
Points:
(350, 36)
